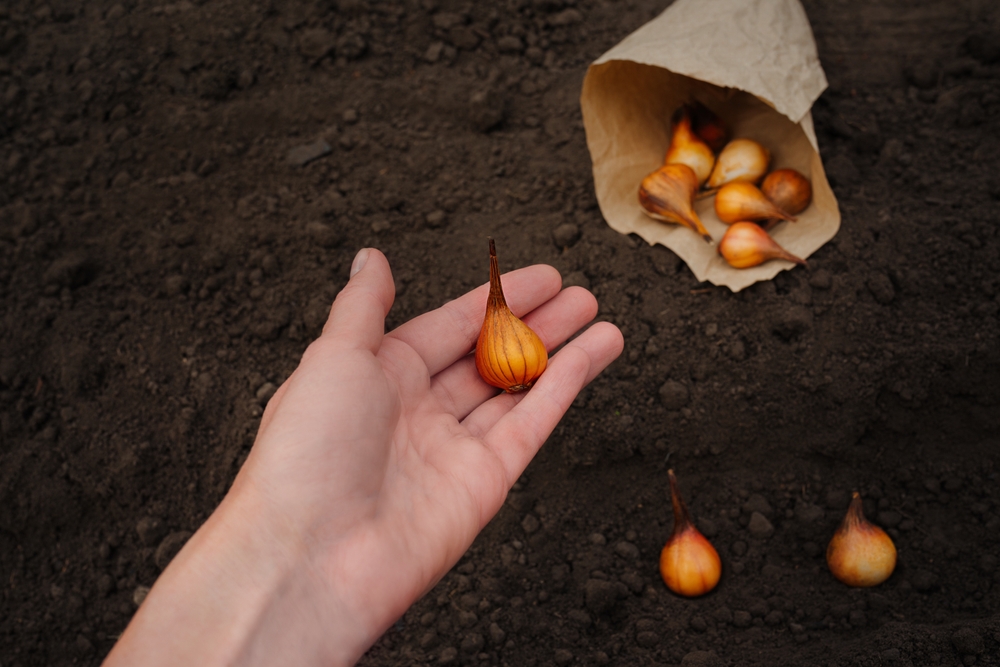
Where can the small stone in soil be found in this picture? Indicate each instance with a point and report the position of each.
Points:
(758, 503)
(265, 392)
(473, 643)
(808, 513)
(497, 635)
(566, 235)
(151, 530)
(723, 615)
(600, 595)
(562, 656)
(647, 639)
(881, 288)
(169, 547)
(139, 595)
(821, 279)
(759, 609)
(325, 236)
(923, 581)
(674, 395)
(700, 659)
(510, 44)
(842, 172)
(436, 219)
(759, 526)
(968, 642)
(791, 322)
(486, 110)
(304, 154)
(627, 550)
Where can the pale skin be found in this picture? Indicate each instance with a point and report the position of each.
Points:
(376, 464)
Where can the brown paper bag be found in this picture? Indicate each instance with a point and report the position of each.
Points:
(754, 63)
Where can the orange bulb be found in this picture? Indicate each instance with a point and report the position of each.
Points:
(687, 148)
(689, 564)
(860, 553)
(745, 244)
(740, 200)
(708, 126)
(788, 190)
(668, 194)
(740, 160)
(509, 355)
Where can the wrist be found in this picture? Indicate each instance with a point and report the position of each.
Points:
(243, 591)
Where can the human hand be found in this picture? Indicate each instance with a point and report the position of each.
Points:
(376, 465)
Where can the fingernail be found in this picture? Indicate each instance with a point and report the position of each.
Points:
(359, 261)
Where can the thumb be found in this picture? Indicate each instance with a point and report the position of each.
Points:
(358, 313)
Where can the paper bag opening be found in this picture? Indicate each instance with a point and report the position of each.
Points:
(627, 103)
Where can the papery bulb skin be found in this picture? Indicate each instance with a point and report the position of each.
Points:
(860, 554)
(509, 355)
(744, 201)
(745, 244)
(686, 148)
(788, 190)
(689, 564)
(708, 126)
(740, 160)
(667, 195)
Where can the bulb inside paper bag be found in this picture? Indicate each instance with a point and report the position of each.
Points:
(733, 57)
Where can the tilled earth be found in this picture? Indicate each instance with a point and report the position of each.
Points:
(185, 185)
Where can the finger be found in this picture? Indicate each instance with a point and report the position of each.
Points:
(514, 428)
(358, 313)
(459, 386)
(444, 335)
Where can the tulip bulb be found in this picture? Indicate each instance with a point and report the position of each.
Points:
(740, 160)
(687, 148)
(860, 553)
(708, 126)
(689, 564)
(668, 194)
(745, 244)
(509, 355)
(788, 190)
(744, 201)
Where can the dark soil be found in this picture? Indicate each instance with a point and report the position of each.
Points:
(163, 264)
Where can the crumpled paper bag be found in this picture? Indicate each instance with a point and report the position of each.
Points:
(752, 62)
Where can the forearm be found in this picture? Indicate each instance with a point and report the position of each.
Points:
(240, 594)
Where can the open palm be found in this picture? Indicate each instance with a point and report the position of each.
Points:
(390, 449)
(376, 465)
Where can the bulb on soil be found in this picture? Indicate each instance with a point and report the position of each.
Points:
(860, 553)
(689, 564)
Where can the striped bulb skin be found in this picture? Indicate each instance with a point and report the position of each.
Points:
(860, 554)
(689, 564)
(509, 355)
